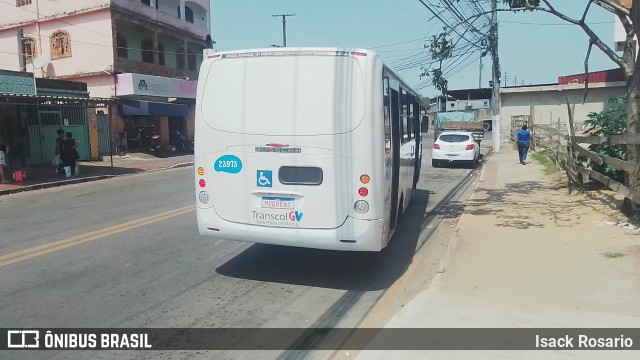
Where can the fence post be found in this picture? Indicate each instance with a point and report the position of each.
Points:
(570, 167)
(532, 119)
(558, 147)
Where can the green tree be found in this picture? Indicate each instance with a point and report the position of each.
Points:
(611, 121)
(440, 49)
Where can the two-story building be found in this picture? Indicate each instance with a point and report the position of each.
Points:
(144, 53)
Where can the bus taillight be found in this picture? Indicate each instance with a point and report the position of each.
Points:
(203, 196)
(201, 171)
(365, 179)
(202, 183)
(363, 191)
(361, 206)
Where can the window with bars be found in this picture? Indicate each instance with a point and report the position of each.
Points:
(147, 51)
(29, 49)
(180, 64)
(60, 45)
(121, 43)
(23, 2)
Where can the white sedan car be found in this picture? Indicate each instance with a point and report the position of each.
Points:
(455, 146)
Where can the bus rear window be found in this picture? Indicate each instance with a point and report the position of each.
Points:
(300, 175)
(293, 95)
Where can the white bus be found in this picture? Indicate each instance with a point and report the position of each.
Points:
(307, 147)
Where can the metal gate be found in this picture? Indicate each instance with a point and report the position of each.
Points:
(43, 124)
(103, 134)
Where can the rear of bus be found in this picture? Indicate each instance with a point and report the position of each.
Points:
(283, 152)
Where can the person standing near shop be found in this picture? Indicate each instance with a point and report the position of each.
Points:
(4, 156)
(523, 139)
(69, 154)
(57, 160)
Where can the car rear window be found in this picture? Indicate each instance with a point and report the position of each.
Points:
(454, 138)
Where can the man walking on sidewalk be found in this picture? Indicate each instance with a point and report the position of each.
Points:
(523, 138)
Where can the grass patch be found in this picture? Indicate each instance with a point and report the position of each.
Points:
(613, 255)
(542, 157)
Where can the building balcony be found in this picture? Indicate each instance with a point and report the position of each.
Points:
(150, 51)
(195, 20)
(123, 65)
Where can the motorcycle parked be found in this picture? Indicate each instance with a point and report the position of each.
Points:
(151, 139)
(181, 142)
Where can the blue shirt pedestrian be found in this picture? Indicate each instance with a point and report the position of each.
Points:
(523, 139)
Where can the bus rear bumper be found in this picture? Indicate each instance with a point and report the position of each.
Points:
(352, 235)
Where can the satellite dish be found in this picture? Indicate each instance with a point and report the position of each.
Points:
(41, 61)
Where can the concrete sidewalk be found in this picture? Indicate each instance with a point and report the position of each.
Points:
(44, 176)
(526, 254)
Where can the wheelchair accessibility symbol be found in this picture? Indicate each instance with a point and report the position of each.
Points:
(263, 178)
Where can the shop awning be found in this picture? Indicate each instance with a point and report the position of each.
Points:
(128, 107)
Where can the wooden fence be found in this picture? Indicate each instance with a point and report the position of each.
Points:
(564, 146)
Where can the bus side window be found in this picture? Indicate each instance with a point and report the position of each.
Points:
(411, 119)
(387, 115)
(404, 119)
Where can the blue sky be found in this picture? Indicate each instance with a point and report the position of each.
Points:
(534, 47)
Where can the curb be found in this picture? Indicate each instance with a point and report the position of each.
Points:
(85, 179)
(434, 219)
(55, 184)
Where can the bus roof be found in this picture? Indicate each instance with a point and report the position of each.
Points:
(306, 51)
(293, 51)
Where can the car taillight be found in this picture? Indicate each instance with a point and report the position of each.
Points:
(155, 137)
(470, 147)
(436, 146)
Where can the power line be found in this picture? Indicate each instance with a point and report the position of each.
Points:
(554, 24)
(444, 22)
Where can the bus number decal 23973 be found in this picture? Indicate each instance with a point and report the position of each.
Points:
(228, 163)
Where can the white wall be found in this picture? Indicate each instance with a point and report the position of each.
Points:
(91, 44)
(11, 15)
(550, 102)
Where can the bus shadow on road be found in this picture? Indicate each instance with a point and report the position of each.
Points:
(352, 271)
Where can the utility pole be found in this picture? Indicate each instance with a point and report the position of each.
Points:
(480, 77)
(495, 109)
(506, 78)
(21, 56)
(284, 27)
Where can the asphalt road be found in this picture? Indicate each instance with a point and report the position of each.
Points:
(125, 253)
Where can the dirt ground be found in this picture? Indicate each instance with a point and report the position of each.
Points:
(534, 242)
(526, 253)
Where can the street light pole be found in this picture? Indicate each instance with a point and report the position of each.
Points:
(495, 108)
(284, 27)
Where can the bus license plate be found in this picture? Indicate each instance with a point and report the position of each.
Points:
(277, 203)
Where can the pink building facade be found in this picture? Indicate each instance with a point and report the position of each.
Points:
(145, 51)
